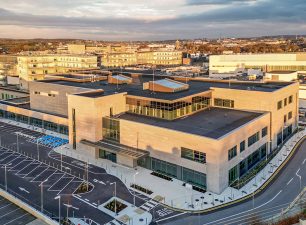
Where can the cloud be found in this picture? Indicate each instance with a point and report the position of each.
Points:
(143, 21)
(216, 2)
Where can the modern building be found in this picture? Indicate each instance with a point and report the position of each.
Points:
(207, 133)
(35, 67)
(235, 63)
(159, 57)
(119, 59)
(281, 75)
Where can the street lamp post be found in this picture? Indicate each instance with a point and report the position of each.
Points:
(134, 198)
(17, 142)
(115, 195)
(59, 208)
(41, 195)
(5, 175)
(37, 146)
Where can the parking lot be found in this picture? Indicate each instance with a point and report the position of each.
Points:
(31, 162)
(10, 214)
(35, 171)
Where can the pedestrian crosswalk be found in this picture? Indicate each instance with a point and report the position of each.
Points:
(149, 205)
(114, 222)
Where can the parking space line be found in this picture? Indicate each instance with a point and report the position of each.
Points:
(25, 160)
(55, 183)
(65, 186)
(38, 165)
(11, 159)
(12, 168)
(39, 174)
(10, 212)
(25, 214)
(10, 154)
(19, 172)
(30, 164)
(6, 205)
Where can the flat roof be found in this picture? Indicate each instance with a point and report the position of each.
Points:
(195, 87)
(212, 123)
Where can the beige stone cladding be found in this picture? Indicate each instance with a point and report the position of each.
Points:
(51, 97)
(88, 115)
(165, 144)
(265, 101)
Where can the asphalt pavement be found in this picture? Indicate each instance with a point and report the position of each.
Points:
(28, 166)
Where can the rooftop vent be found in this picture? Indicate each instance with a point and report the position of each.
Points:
(167, 85)
(119, 79)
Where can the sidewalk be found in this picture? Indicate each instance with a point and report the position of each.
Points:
(173, 192)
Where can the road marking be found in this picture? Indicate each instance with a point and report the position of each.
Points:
(245, 211)
(290, 181)
(297, 171)
(10, 212)
(170, 217)
(304, 161)
(16, 218)
(23, 189)
(70, 206)
(85, 201)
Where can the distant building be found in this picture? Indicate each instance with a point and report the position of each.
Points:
(159, 57)
(8, 65)
(265, 62)
(281, 75)
(31, 68)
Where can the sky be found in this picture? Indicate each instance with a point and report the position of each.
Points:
(130, 20)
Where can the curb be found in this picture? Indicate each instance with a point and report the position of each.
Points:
(259, 190)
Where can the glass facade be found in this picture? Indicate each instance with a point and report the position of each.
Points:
(247, 164)
(111, 128)
(107, 155)
(168, 111)
(35, 122)
(242, 146)
(193, 155)
(264, 131)
(232, 153)
(224, 103)
(253, 139)
(172, 170)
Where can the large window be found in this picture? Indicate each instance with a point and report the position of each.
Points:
(224, 102)
(242, 146)
(185, 174)
(168, 111)
(253, 139)
(247, 164)
(111, 128)
(232, 153)
(233, 174)
(264, 131)
(290, 99)
(279, 104)
(164, 167)
(289, 115)
(194, 177)
(193, 155)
